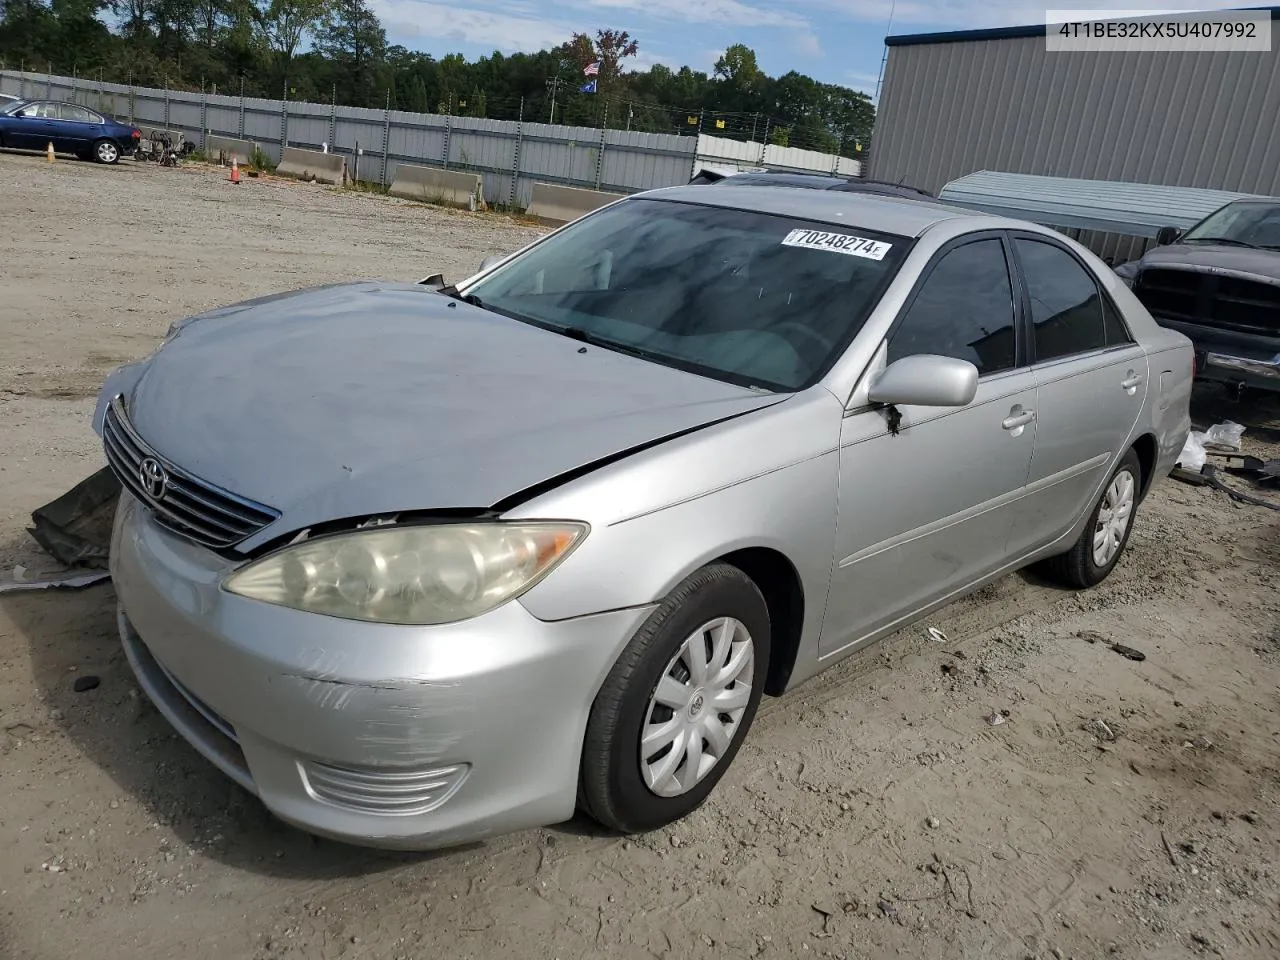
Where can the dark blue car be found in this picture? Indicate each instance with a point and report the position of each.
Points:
(70, 127)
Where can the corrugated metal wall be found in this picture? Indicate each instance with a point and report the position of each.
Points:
(1204, 119)
(501, 151)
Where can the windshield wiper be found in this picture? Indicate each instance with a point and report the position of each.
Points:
(1227, 240)
(452, 291)
(586, 336)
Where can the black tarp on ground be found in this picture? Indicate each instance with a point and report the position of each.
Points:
(76, 528)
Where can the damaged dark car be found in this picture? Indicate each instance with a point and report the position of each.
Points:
(1219, 284)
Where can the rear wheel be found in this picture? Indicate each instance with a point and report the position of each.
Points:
(677, 705)
(1101, 544)
(106, 151)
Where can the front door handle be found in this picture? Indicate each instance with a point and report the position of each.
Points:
(1016, 421)
(1131, 382)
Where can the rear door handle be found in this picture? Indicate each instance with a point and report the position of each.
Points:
(1014, 421)
(1130, 384)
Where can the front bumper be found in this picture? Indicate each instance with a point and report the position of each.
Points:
(380, 735)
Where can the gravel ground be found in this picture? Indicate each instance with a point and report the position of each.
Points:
(1123, 809)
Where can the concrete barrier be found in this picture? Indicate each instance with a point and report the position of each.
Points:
(228, 147)
(446, 187)
(313, 165)
(555, 205)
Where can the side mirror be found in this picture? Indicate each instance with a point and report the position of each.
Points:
(927, 381)
(488, 262)
(1167, 235)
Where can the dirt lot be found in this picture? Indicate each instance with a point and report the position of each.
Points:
(874, 812)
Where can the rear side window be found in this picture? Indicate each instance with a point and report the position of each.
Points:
(1066, 306)
(1116, 332)
(71, 112)
(964, 309)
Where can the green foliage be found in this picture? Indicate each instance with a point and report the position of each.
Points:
(260, 161)
(318, 49)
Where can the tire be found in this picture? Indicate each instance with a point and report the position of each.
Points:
(106, 151)
(1079, 567)
(716, 606)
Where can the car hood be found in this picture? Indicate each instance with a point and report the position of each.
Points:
(1212, 258)
(363, 399)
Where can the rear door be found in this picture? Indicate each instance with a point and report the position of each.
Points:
(1091, 379)
(78, 127)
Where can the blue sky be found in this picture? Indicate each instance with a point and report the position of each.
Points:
(836, 41)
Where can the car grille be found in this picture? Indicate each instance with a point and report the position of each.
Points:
(1229, 303)
(383, 790)
(190, 507)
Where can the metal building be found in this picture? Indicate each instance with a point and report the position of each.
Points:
(955, 103)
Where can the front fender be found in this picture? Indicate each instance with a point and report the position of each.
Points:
(768, 479)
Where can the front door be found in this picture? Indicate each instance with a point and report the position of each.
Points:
(1092, 381)
(36, 127)
(926, 511)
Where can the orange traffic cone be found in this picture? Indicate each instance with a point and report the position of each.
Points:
(48, 152)
(235, 170)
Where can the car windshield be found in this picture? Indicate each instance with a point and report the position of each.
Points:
(1248, 223)
(8, 106)
(749, 298)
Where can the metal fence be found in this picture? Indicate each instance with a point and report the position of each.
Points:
(509, 155)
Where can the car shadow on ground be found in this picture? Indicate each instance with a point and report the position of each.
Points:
(1256, 411)
(71, 634)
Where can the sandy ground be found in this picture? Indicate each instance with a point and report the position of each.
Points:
(1125, 809)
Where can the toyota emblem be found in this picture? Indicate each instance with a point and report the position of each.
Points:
(154, 478)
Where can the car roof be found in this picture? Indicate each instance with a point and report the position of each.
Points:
(871, 211)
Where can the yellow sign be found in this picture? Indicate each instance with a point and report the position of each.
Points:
(693, 121)
(719, 124)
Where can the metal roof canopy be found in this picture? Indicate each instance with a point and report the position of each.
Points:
(1132, 209)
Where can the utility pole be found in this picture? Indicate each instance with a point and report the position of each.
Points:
(630, 114)
(554, 84)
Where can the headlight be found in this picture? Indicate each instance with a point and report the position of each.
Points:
(438, 573)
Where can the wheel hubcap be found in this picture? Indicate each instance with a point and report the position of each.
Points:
(107, 152)
(1114, 517)
(696, 710)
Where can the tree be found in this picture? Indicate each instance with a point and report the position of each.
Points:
(349, 35)
(614, 46)
(283, 24)
(737, 66)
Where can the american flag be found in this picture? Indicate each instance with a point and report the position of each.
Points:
(592, 69)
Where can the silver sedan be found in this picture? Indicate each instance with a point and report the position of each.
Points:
(420, 564)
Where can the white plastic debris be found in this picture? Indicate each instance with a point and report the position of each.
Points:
(1193, 454)
(937, 634)
(1224, 436)
(73, 582)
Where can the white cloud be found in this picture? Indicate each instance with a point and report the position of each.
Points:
(700, 11)
(505, 29)
(806, 44)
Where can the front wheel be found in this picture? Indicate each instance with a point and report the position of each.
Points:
(677, 704)
(1098, 550)
(106, 151)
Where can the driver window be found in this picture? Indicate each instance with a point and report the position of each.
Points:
(963, 309)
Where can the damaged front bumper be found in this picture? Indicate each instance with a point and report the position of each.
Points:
(376, 734)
